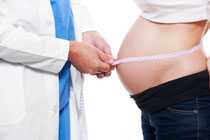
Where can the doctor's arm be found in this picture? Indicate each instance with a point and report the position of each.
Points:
(46, 53)
(22, 47)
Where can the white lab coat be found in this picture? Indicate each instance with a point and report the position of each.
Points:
(30, 60)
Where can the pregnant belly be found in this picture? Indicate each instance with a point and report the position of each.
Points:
(148, 39)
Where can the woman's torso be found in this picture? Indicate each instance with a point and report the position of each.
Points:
(147, 38)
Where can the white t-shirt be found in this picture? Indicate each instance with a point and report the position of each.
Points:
(175, 11)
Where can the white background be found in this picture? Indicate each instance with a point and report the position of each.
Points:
(111, 113)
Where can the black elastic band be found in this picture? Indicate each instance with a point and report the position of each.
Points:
(164, 95)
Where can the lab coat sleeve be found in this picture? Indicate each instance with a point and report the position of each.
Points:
(82, 14)
(19, 46)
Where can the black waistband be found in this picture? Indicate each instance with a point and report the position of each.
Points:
(164, 95)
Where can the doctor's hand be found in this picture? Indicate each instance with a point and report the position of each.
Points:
(95, 39)
(88, 59)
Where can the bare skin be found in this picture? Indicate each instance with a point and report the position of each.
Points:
(92, 55)
(88, 59)
(147, 38)
(95, 39)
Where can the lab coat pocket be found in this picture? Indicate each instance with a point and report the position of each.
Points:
(12, 102)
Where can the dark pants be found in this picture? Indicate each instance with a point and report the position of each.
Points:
(186, 120)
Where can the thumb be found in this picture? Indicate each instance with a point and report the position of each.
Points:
(105, 57)
(104, 67)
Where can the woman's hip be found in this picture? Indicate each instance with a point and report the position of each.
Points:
(185, 120)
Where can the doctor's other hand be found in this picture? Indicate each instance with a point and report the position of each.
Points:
(88, 59)
(95, 39)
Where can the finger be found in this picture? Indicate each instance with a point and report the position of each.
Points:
(94, 73)
(107, 49)
(101, 75)
(113, 67)
(107, 74)
(86, 36)
(104, 67)
(114, 64)
(103, 45)
(106, 58)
